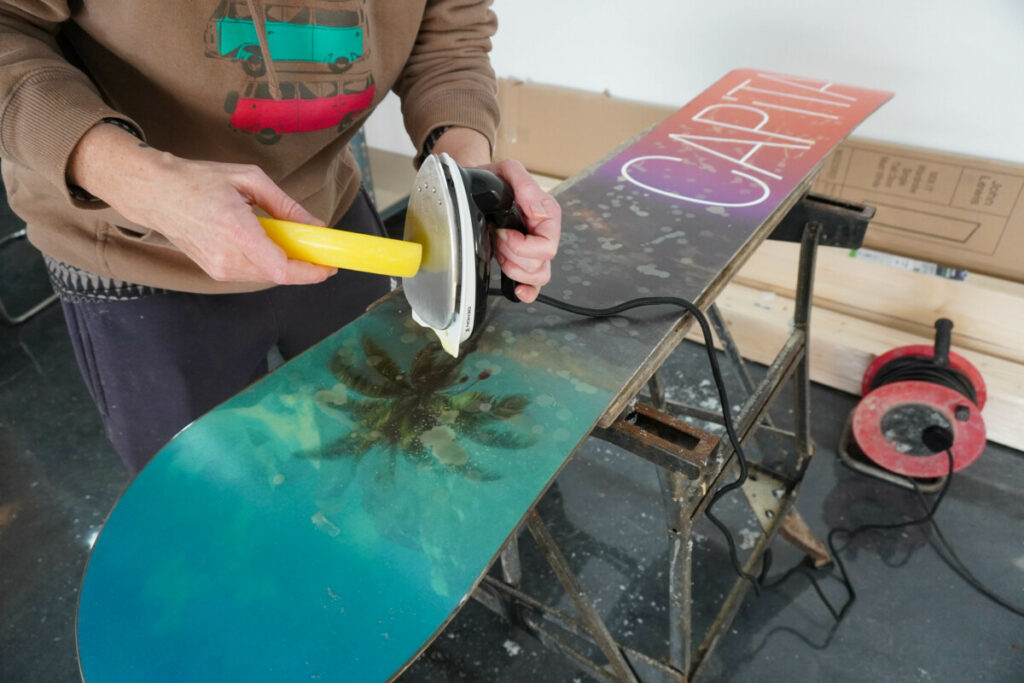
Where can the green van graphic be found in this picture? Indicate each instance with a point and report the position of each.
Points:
(317, 34)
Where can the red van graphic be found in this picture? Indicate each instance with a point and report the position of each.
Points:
(302, 107)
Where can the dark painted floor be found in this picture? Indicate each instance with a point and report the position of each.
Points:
(914, 620)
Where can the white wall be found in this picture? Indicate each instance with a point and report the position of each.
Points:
(956, 66)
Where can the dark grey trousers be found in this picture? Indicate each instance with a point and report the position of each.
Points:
(156, 363)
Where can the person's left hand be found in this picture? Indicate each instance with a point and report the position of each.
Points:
(527, 258)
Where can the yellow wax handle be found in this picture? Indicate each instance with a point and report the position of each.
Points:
(342, 249)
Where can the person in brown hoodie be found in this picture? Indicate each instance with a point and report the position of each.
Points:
(139, 139)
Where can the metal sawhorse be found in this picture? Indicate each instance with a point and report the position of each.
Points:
(692, 464)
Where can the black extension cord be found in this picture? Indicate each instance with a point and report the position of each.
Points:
(952, 560)
(910, 368)
(851, 534)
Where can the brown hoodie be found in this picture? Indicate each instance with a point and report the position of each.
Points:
(194, 79)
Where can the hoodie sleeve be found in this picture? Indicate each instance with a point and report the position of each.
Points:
(448, 79)
(46, 104)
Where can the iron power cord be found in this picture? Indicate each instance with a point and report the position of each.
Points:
(716, 373)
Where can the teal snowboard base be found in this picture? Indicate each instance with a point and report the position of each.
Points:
(370, 481)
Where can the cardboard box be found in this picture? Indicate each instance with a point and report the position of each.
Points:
(560, 131)
(951, 209)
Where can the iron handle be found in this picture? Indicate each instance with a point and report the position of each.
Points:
(513, 221)
(495, 198)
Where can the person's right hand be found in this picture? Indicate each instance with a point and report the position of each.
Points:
(204, 208)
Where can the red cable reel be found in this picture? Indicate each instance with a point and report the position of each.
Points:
(917, 401)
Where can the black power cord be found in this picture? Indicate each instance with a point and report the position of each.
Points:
(936, 438)
(716, 372)
(952, 560)
(840, 613)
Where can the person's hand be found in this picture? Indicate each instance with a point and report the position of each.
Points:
(527, 258)
(203, 208)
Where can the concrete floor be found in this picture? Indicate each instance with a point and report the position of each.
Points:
(914, 620)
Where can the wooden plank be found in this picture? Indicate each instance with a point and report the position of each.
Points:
(996, 284)
(842, 346)
(985, 319)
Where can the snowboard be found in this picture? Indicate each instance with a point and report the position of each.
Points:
(328, 521)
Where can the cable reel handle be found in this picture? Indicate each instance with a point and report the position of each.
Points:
(943, 335)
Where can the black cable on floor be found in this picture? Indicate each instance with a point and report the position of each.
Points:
(953, 561)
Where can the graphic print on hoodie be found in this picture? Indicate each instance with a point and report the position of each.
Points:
(320, 50)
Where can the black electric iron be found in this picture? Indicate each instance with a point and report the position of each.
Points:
(445, 257)
(450, 214)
